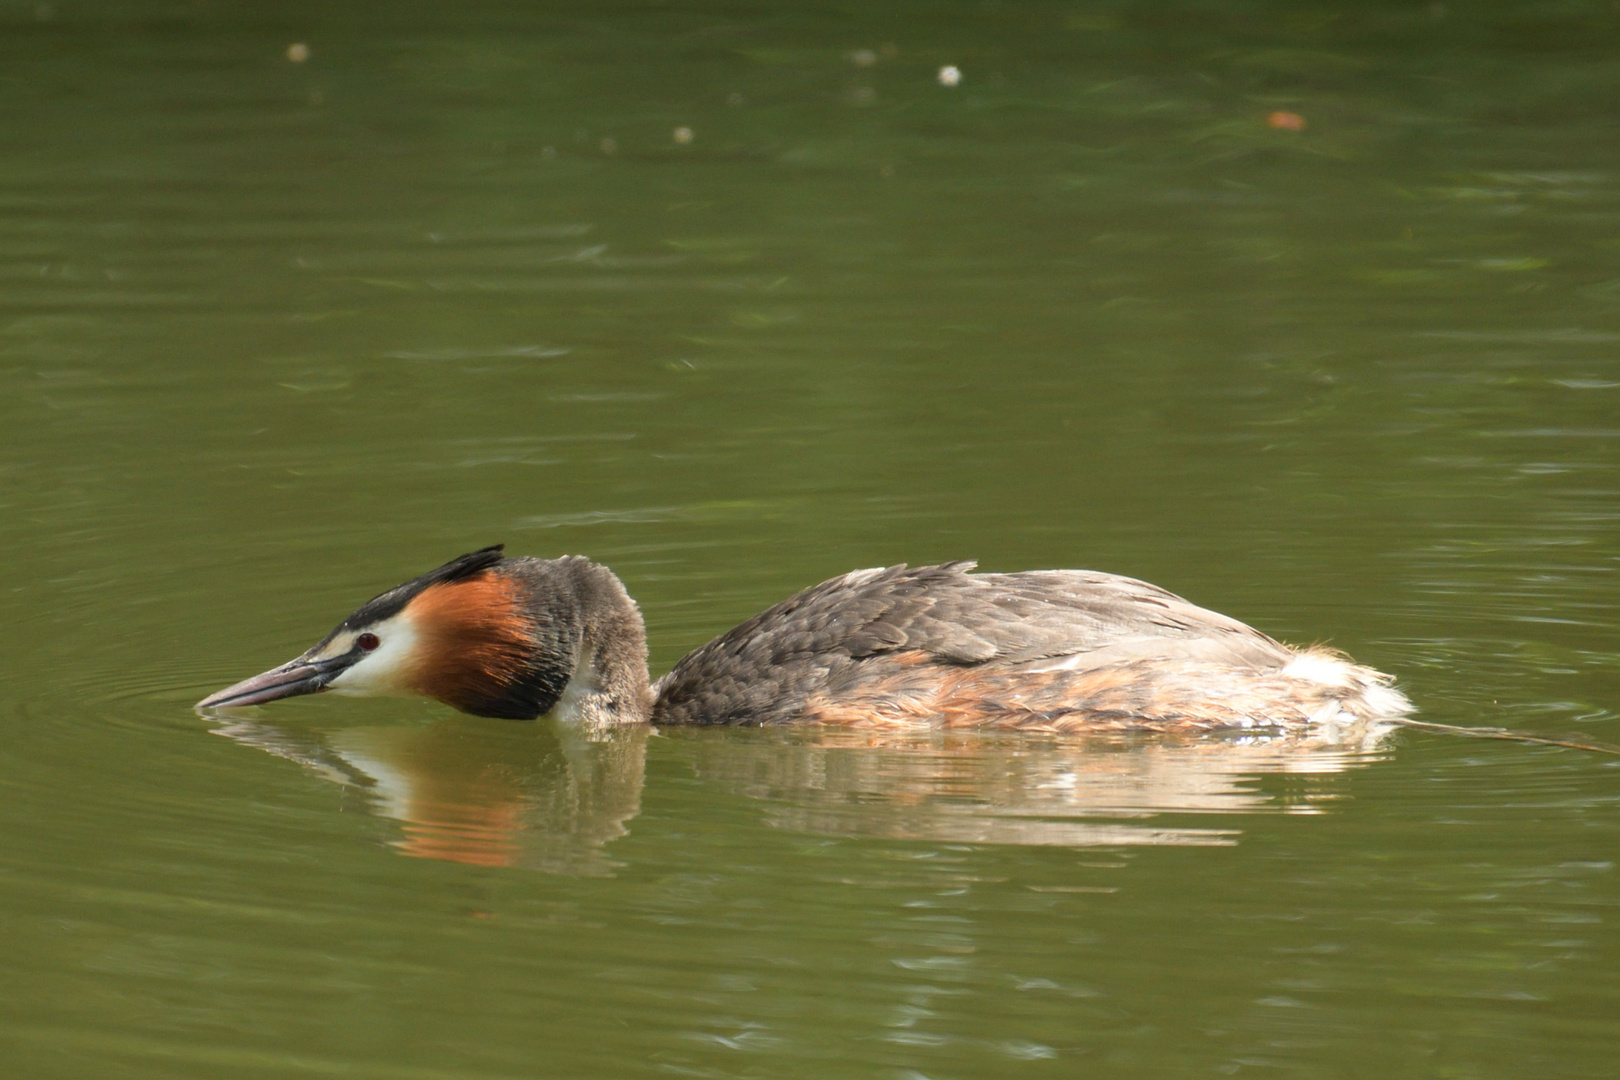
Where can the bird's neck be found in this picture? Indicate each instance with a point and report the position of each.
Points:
(608, 684)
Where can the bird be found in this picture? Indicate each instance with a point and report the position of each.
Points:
(895, 648)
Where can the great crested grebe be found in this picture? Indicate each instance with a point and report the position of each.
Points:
(914, 647)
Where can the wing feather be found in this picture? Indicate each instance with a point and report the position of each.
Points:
(765, 669)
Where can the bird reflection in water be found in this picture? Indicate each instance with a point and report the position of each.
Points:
(1000, 788)
(470, 791)
(552, 797)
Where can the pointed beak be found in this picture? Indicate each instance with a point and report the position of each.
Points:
(304, 675)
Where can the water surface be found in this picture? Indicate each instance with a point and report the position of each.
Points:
(276, 335)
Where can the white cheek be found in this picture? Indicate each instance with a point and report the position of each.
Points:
(386, 669)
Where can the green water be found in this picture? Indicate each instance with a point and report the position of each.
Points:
(276, 335)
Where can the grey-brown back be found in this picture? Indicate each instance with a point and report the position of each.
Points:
(766, 669)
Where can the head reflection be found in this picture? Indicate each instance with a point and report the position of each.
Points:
(485, 794)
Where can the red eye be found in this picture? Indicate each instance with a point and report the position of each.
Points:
(367, 641)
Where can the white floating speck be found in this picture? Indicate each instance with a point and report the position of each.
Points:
(683, 135)
(949, 75)
(298, 52)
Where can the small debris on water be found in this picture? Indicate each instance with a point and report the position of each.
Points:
(298, 52)
(1286, 121)
(610, 145)
(863, 57)
(950, 75)
(683, 136)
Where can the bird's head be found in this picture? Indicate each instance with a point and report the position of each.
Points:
(463, 634)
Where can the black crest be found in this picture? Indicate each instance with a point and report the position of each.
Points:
(394, 600)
